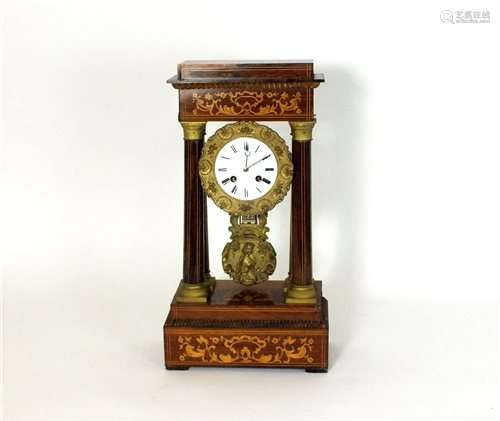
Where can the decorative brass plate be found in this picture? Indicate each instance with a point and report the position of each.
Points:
(209, 181)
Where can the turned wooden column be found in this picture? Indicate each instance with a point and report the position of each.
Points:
(193, 288)
(300, 289)
(206, 255)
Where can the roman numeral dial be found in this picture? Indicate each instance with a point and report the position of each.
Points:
(246, 168)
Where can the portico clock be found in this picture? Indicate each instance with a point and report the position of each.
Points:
(247, 169)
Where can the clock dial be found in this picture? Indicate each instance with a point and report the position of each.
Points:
(246, 168)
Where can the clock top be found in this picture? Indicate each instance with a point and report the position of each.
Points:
(258, 71)
(226, 90)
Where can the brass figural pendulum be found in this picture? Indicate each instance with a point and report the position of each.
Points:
(249, 259)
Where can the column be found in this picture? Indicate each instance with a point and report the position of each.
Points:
(300, 289)
(193, 288)
(209, 279)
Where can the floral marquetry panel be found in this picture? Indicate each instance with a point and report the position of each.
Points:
(262, 348)
(246, 103)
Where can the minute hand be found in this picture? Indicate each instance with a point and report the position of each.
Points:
(256, 162)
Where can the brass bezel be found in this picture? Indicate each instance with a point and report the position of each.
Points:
(207, 168)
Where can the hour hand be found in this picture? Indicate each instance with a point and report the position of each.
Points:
(247, 154)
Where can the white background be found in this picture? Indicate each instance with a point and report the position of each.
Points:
(405, 207)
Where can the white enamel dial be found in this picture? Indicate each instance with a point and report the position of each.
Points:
(246, 168)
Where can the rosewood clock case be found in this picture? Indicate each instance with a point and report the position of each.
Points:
(277, 323)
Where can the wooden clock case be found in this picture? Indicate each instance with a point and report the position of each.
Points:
(281, 323)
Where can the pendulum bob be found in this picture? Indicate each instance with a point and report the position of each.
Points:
(248, 258)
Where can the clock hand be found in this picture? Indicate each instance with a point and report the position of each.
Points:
(246, 160)
(251, 165)
(247, 154)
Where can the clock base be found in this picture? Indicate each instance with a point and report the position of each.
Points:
(247, 327)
